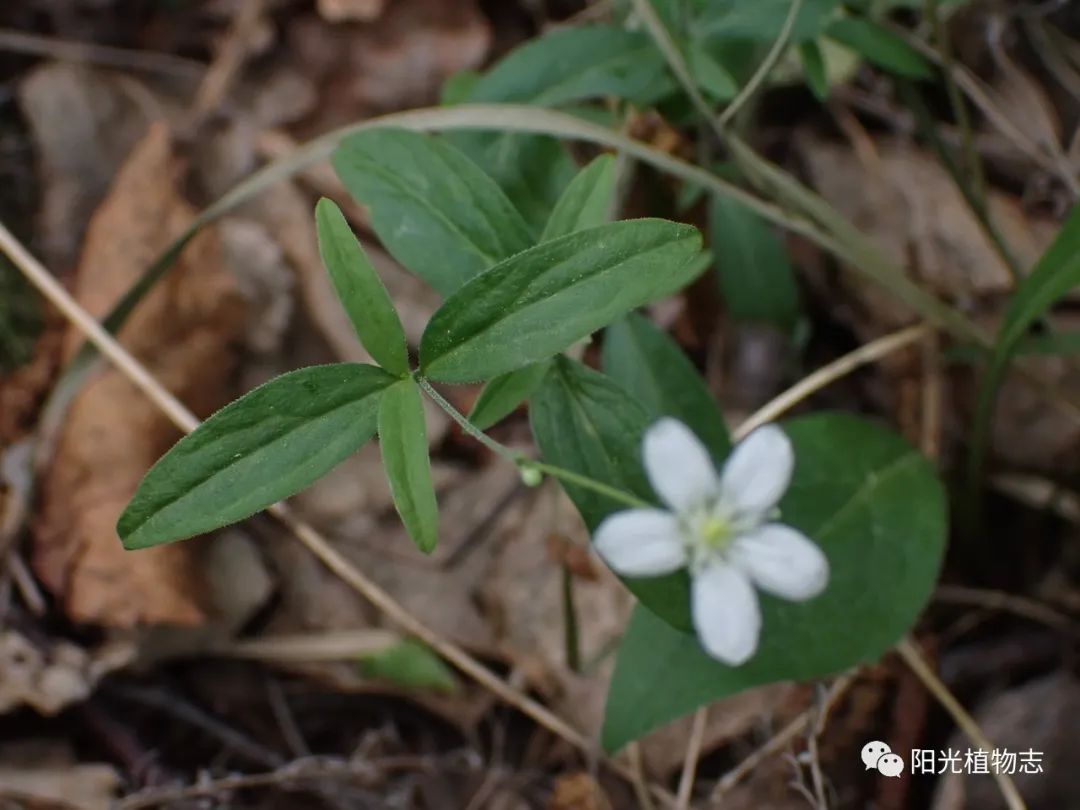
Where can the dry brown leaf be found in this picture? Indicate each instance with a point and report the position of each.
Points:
(1022, 100)
(43, 775)
(50, 676)
(398, 61)
(335, 11)
(183, 332)
(1039, 716)
(23, 390)
(578, 791)
(907, 202)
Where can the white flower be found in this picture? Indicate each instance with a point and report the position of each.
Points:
(722, 528)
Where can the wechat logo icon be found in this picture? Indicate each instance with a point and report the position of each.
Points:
(878, 756)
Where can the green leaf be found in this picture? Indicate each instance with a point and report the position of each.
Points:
(1056, 274)
(656, 372)
(412, 665)
(878, 511)
(710, 75)
(576, 64)
(585, 422)
(265, 446)
(361, 292)
(505, 393)
(433, 208)
(458, 88)
(404, 446)
(532, 170)
(755, 276)
(537, 303)
(586, 203)
(763, 20)
(880, 47)
(813, 62)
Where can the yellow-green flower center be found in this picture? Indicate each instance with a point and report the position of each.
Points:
(715, 532)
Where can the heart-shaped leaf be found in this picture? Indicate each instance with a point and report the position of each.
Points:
(877, 509)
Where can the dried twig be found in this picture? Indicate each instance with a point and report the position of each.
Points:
(999, 600)
(91, 52)
(229, 59)
(913, 658)
(296, 773)
(868, 353)
(638, 781)
(783, 738)
(693, 753)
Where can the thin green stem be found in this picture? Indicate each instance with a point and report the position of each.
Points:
(570, 477)
(463, 421)
(667, 46)
(523, 462)
(763, 70)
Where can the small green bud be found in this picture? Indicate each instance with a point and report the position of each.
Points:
(530, 476)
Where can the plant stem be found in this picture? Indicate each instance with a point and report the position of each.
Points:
(523, 462)
(571, 477)
(763, 70)
(463, 421)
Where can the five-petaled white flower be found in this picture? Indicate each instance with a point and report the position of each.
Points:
(722, 528)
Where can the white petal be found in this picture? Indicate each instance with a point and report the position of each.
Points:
(782, 561)
(758, 471)
(641, 543)
(679, 466)
(725, 612)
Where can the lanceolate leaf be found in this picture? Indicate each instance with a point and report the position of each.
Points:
(755, 276)
(505, 393)
(1057, 272)
(762, 20)
(880, 46)
(433, 208)
(539, 302)
(361, 292)
(814, 68)
(714, 78)
(576, 64)
(411, 665)
(586, 203)
(532, 170)
(404, 446)
(585, 422)
(654, 370)
(878, 511)
(265, 446)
